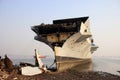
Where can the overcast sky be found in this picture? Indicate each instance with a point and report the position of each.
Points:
(17, 17)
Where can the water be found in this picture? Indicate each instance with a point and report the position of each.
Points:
(105, 64)
(17, 61)
(46, 61)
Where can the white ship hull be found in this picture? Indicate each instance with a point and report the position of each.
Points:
(70, 39)
(76, 50)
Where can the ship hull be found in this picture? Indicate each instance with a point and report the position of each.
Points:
(75, 53)
(65, 63)
(70, 39)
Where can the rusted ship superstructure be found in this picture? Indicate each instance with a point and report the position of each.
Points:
(70, 39)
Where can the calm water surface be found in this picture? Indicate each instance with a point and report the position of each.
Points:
(107, 64)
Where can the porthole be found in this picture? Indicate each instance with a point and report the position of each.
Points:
(85, 30)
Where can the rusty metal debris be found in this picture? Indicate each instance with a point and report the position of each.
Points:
(6, 64)
(33, 70)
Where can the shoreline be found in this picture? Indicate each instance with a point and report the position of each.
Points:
(9, 71)
(65, 75)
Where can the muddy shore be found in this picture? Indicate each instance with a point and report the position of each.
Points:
(10, 72)
(66, 75)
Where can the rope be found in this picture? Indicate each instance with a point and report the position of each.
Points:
(52, 63)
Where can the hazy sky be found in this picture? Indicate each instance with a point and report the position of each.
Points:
(17, 17)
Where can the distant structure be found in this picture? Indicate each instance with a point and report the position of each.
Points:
(70, 39)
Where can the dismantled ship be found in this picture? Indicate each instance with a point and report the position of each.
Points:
(70, 39)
